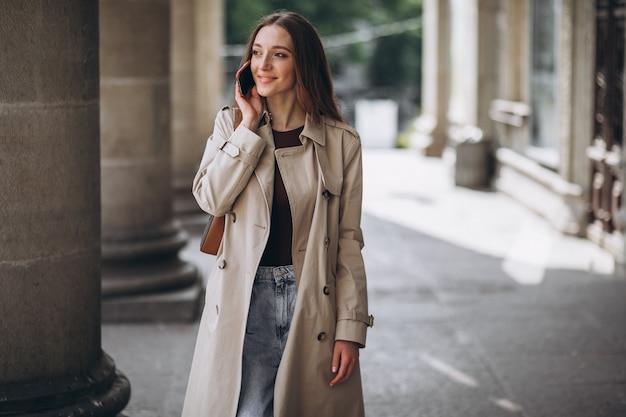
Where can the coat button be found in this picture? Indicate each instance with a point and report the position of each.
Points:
(222, 264)
(326, 290)
(321, 336)
(326, 194)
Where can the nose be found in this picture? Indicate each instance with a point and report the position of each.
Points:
(266, 61)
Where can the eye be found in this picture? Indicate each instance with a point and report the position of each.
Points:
(281, 55)
(256, 52)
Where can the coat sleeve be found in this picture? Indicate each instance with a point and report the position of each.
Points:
(352, 310)
(229, 160)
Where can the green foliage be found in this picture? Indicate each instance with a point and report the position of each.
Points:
(241, 17)
(328, 16)
(391, 10)
(396, 61)
(392, 61)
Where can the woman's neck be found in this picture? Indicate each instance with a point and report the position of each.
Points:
(285, 115)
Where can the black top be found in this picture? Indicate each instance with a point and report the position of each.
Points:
(278, 249)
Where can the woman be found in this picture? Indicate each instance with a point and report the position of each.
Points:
(286, 302)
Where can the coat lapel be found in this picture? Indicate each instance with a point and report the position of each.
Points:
(317, 133)
(264, 171)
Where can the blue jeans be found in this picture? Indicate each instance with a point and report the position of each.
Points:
(271, 309)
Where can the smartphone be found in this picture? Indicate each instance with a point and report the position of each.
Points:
(244, 76)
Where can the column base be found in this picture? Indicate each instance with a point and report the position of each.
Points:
(147, 277)
(102, 391)
(434, 150)
(182, 305)
(429, 138)
(143, 280)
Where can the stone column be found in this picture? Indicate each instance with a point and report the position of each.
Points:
(143, 278)
(197, 84)
(511, 111)
(51, 359)
(473, 87)
(474, 70)
(432, 125)
(576, 69)
(487, 63)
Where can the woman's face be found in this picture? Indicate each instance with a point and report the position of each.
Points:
(273, 63)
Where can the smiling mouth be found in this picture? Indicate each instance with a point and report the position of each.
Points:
(264, 79)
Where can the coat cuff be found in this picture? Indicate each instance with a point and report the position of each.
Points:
(352, 331)
(243, 144)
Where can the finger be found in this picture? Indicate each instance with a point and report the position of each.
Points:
(349, 369)
(336, 358)
(348, 363)
(339, 378)
(344, 372)
(242, 102)
(345, 364)
(336, 363)
(238, 96)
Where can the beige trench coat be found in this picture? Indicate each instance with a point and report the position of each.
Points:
(324, 184)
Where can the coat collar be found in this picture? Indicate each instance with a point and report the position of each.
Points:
(315, 131)
(312, 130)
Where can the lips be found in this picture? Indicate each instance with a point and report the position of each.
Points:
(264, 79)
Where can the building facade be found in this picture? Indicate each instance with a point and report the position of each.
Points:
(543, 81)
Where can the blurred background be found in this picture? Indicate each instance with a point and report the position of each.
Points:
(493, 215)
(374, 48)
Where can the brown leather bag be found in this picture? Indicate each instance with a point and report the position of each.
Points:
(212, 236)
(214, 230)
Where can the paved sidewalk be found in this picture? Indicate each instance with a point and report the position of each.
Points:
(481, 310)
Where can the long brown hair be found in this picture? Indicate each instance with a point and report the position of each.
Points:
(314, 85)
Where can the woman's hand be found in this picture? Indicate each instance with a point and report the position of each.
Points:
(251, 107)
(345, 358)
